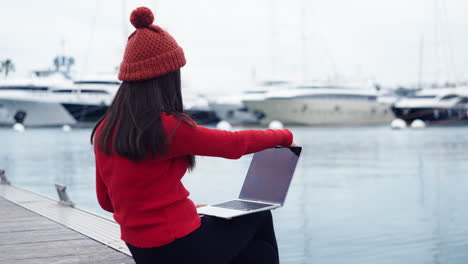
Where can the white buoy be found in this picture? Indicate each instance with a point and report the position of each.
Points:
(398, 124)
(66, 128)
(275, 124)
(18, 127)
(224, 125)
(418, 123)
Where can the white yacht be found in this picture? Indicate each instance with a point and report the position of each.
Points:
(27, 101)
(231, 108)
(197, 106)
(322, 105)
(435, 106)
(54, 100)
(87, 100)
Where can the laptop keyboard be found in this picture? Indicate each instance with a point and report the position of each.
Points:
(241, 205)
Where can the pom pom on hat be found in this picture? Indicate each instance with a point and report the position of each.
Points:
(150, 51)
(141, 17)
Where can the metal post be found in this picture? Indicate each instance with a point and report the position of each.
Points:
(63, 196)
(3, 178)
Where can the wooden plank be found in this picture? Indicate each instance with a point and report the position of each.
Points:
(15, 218)
(36, 224)
(96, 227)
(78, 259)
(47, 249)
(44, 235)
(28, 237)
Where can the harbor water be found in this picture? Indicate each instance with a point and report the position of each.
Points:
(359, 195)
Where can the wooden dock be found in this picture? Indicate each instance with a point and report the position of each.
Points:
(35, 229)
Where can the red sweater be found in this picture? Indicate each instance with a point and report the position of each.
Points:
(148, 198)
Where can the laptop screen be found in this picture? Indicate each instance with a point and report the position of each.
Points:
(270, 174)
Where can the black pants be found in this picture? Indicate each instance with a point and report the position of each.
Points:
(245, 239)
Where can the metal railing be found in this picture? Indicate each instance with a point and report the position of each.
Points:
(64, 199)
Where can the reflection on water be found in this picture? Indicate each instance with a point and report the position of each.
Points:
(359, 195)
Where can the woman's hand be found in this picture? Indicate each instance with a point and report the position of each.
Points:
(200, 205)
(294, 144)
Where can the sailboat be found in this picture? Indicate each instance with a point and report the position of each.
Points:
(441, 104)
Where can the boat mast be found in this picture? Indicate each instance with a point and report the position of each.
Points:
(273, 34)
(448, 49)
(91, 36)
(124, 20)
(303, 42)
(437, 47)
(443, 53)
(420, 66)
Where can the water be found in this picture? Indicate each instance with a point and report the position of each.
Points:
(359, 195)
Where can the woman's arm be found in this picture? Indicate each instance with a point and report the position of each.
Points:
(198, 140)
(102, 193)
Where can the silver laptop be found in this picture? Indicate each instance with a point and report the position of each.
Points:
(265, 186)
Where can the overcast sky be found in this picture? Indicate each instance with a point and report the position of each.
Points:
(229, 43)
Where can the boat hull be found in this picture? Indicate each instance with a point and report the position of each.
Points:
(36, 113)
(236, 114)
(84, 113)
(203, 117)
(433, 115)
(319, 112)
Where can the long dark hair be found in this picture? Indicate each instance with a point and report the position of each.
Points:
(132, 124)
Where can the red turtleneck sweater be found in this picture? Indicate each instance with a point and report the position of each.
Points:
(148, 198)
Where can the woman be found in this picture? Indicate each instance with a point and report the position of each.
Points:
(145, 144)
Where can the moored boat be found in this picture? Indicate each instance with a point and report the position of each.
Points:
(232, 109)
(322, 105)
(443, 106)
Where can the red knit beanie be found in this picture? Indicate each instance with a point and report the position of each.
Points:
(150, 50)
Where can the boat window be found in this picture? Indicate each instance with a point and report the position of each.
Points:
(93, 91)
(63, 91)
(255, 92)
(340, 96)
(97, 82)
(422, 96)
(448, 97)
(273, 83)
(243, 109)
(318, 87)
(464, 100)
(24, 88)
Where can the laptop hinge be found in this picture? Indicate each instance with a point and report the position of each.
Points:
(258, 201)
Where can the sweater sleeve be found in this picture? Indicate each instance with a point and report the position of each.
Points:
(102, 193)
(197, 140)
